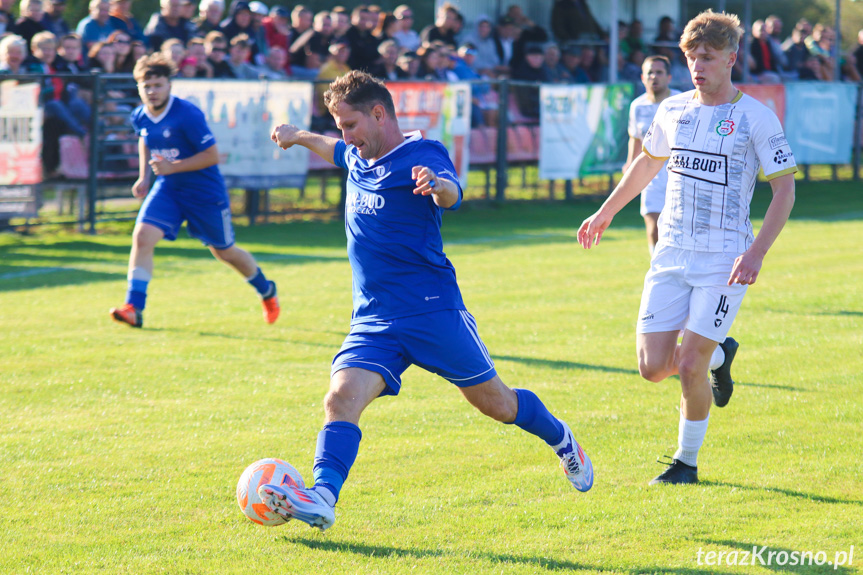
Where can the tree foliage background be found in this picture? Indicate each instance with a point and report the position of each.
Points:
(789, 10)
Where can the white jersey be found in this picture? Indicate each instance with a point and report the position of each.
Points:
(641, 113)
(714, 153)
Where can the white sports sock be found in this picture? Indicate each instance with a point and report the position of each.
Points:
(690, 436)
(139, 274)
(326, 494)
(717, 359)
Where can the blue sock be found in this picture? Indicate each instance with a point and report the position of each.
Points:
(137, 293)
(535, 418)
(260, 282)
(338, 444)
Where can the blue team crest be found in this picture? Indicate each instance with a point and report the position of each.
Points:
(725, 128)
(380, 171)
(166, 133)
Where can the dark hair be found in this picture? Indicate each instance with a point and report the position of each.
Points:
(156, 65)
(664, 59)
(360, 91)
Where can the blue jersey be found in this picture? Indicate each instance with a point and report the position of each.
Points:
(180, 132)
(394, 240)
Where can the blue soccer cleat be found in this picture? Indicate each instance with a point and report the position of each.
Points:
(575, 462)
(291, 502)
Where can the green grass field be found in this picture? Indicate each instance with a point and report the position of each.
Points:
(120, 449)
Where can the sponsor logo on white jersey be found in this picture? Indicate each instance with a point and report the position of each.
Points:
(702, 166)
(777, 141)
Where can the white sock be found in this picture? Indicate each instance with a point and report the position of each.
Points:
(139, 274)
(717, 359)
(690, 436)
(327, 495)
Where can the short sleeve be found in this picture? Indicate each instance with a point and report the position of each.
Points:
(632, 127)
(655, 142)
(439, 162)
(133, 118)
(197, 131)
(339, 155)
(772, 148)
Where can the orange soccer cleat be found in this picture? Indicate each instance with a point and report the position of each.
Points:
(271, 306)
(128, 314)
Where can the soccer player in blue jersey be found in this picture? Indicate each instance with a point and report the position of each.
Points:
(407, 305)
(176, 143)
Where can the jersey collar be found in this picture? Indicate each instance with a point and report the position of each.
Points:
(414, 136)
(160, 117)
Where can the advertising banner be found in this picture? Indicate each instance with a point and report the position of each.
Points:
(441, 111)
(241, 115)
(819, 121)
(583, 129)
(771, 95)
(20, 149)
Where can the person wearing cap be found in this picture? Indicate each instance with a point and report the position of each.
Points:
(277, 32)
(168, 23)
(531, 70)
(555, 70)
(571, 60)
(408, 66)
(487, 59)
(52, 17)
(405, 35)
(188, 67)
(238, 58)
(209, 17)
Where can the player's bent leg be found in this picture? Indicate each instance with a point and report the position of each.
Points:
(657, 355)
(494, 399)
(245, 263)
(524, 409)
(352, 389)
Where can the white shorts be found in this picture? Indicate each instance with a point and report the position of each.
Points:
(653, 196)
(689, 289)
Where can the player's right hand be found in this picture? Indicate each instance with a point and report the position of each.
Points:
(285, 135)
(592, 228)
(139, 188)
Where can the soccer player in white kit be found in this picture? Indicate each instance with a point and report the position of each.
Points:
(655, 75)
(715, 139)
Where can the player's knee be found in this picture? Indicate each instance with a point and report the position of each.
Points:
(495, 407)
(651, 371)
(691, 370)
(144, 237)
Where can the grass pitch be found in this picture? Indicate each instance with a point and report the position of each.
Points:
(120, 449)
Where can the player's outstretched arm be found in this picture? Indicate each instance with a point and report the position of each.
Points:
(748, 265)
(636, 178)
(287, 135)
(444, 192)
(142, 184)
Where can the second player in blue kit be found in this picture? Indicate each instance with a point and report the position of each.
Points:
(178, 146)
(408, 308)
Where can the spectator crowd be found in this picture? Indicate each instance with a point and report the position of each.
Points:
(250, 40)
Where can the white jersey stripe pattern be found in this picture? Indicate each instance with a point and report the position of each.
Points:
(714, 154)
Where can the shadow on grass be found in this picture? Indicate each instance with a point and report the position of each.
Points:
(770, 386)
(537, 563)
(561, 364)
(788, 492)
(754, 552)
(19, 278)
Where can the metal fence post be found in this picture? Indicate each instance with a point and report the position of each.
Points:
(858, 125)
(502, 124)
(92, 180)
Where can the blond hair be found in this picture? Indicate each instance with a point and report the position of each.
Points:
(719, 30)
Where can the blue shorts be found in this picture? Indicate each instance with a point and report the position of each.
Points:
(443, 342)
(208, 217)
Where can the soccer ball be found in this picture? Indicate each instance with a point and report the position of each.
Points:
(274, 471)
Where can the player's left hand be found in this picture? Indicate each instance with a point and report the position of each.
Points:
(745, 269)
(161, 166)
(426, 180)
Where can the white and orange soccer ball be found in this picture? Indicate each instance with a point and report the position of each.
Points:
(259, 473)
